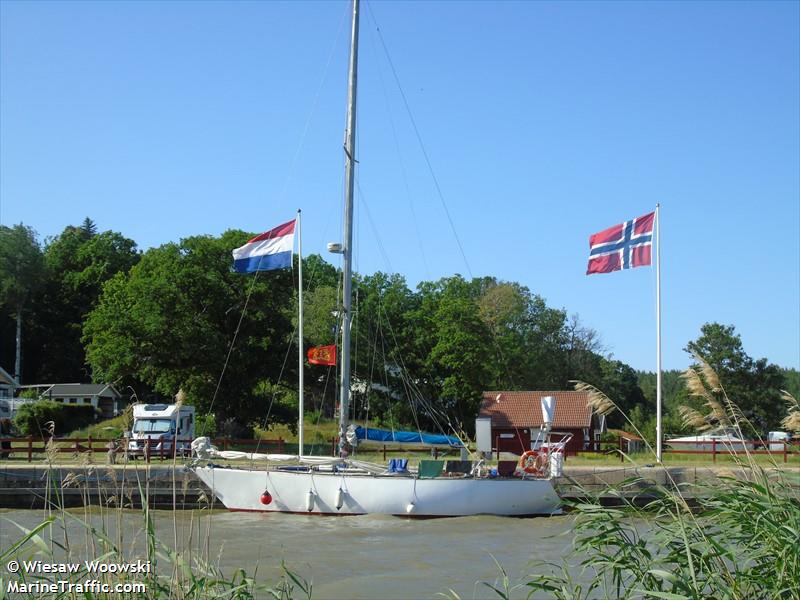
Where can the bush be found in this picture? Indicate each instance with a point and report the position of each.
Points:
(33, 419)
(205, 425)
(231, 428)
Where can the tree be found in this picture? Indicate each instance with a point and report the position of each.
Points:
(170, 322)
(77, 264)
(20, 274)
(89, 228)
(753, 385)
(620, 382)
(460, 364)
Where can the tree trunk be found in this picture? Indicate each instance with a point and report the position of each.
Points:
(18, 360)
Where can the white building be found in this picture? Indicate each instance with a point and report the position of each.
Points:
(103, 396)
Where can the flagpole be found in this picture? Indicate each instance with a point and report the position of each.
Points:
(300, 364)
(659, 433)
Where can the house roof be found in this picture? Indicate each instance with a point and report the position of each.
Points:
(80, 389)
(627, 435)
(524, 409)
(5, 377)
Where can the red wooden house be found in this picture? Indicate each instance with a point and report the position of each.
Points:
(516, 417)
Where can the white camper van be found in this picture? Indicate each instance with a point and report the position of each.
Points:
(162, 424)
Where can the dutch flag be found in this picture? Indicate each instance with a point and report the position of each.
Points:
(267, 251)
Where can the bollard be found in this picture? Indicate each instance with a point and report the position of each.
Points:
(112, 452)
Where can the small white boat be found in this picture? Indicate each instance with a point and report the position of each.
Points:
(719, 440)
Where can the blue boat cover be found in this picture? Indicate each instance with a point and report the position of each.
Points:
(406, 437)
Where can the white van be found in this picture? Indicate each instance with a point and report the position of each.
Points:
(164, 425)
(777, 439)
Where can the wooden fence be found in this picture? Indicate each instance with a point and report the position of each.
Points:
(721, 448)
(713, 448)
(30, 446)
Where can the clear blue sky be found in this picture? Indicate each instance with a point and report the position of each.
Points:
(544, 123)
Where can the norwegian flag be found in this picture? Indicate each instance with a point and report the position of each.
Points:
(622, 246)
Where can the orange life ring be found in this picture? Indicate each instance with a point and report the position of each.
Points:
(533, 462)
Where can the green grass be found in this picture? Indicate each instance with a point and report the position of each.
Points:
(109, 429)
(313, 432)
(679, 460)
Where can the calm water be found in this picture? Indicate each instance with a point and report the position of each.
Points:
(349, 557)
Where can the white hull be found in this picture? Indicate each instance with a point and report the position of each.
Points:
(707, 444)
(241, 489)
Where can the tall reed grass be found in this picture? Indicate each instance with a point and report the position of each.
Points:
(734, 537)
(183, 569)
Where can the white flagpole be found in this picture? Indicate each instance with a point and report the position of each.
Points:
(659, 432)
(300, 364)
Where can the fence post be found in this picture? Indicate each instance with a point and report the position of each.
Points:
(280, 445)
(147, 450)
(714, 449)
(497, 446)
(90, 445)
(30, 448)
(384, 453)
(785, 456)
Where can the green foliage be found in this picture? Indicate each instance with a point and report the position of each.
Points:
(170, 321)
(205, 425)
(109, 429)
(88, 227)
(643, 422)
(20, 265)
(33, 418)
(20, 277)
(78, 262)
(753, 385)
(791, 378)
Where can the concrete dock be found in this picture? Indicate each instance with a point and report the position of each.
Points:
(162, 486)
(165, 486)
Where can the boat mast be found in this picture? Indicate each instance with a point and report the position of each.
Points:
(347, 274)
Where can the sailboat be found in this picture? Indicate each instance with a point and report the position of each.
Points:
(342, 485)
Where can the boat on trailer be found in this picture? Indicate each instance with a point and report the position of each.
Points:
(343, 485)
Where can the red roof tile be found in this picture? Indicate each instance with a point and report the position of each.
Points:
(524, 409)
